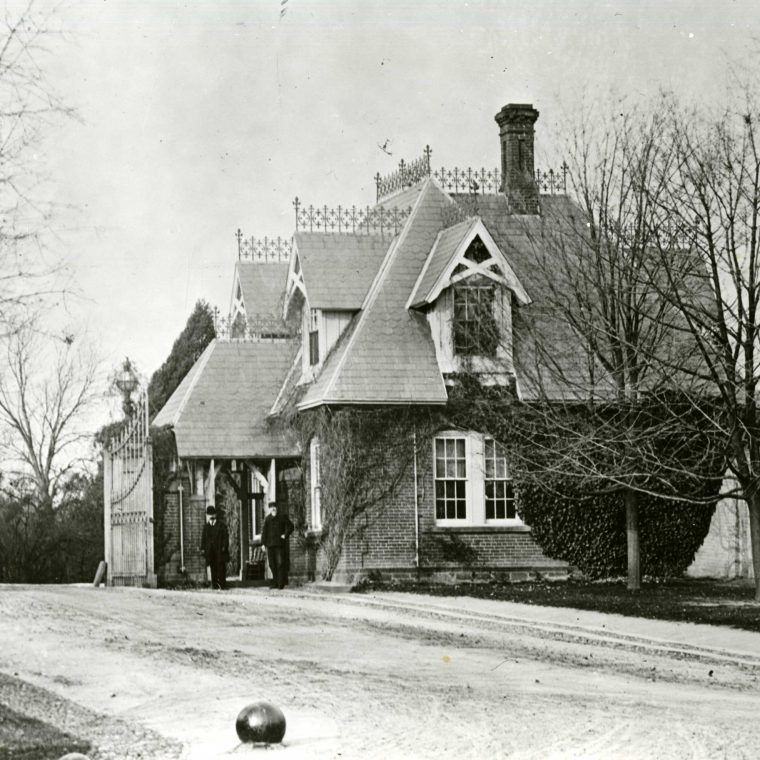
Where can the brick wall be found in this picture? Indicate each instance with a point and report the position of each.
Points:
(194, 517)
(383, 540)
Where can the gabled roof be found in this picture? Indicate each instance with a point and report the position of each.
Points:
(337, 268)
(404, 199)
(449, 254)
(262, 285)
(523, 238)
(387, 355)
(220, 408)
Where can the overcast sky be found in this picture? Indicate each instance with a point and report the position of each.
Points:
(201, 117)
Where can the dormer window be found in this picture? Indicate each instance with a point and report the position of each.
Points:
(475, 327)
(314, 337)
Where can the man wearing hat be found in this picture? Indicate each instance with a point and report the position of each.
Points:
(274, 538)
(215, 545)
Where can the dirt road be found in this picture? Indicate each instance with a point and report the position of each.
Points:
(162, 674)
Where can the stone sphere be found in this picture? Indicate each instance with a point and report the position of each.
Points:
(260, 722)
(74, 756)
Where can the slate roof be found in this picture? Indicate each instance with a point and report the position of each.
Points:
(444, 248)
(404, 199)
(387, 355)
(522, 239)
(337, 268)
(263, 286)
(220, 408)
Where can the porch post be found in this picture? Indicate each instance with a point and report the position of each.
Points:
(272, 480)
(244, 519)
(211, 483)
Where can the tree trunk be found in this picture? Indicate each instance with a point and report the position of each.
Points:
(631, 499)
(753, 504)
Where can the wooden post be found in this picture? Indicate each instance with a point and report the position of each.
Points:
(244, 519)
(101, 571)
(632, 530)
(272, 480)
(151, 579)
(107, 480)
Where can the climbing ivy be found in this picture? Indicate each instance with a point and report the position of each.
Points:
(364, 454)
(589, 532)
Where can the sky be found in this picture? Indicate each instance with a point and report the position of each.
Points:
(199, 118)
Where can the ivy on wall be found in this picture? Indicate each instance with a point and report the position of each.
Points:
(364, 454)
(589, 532)
(366, 451)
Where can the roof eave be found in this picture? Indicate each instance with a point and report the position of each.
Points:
(369, 402)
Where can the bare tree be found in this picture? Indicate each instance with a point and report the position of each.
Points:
(605, 350)
(29, 108)
(714, 197)
(46, 388)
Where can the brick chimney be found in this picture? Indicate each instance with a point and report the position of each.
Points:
(516, 132)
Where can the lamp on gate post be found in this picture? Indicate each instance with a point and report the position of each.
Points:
(127, 382)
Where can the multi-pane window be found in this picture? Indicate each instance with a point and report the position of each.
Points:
(499, 492)
(473, 485)
(316, 486)
(450, 479)
(313, 337)
(475, 329)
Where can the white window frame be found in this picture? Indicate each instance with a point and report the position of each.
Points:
(440, 477)
(475, 483)
(315, 517)
(508, 483)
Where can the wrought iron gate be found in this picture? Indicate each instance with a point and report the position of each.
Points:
(128, 502)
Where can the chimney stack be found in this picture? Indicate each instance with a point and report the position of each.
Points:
(516, 132)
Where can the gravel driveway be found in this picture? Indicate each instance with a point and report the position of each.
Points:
(162, 674)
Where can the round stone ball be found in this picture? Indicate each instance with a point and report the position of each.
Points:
(260, 722)
(74, 756)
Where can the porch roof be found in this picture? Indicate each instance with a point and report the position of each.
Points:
(220, 408)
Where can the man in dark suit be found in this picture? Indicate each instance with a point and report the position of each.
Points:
(274, 538)
(215, 545)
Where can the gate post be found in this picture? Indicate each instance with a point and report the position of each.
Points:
(107, 483)
(151, 580)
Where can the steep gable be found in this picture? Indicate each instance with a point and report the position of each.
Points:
(337, 270)
(570, 372)
(449, 262)
(261, 287)
(389, 356)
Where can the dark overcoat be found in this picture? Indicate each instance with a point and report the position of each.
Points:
(215, 541)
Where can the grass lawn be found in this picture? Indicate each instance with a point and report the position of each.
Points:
(695, 601)
(24, 738)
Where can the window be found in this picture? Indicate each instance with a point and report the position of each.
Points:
(450, 479)
(475, 330)
(313, 337)
(499, 493)
(472, 481)
(316, 486)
